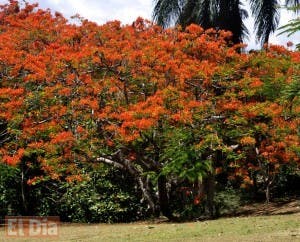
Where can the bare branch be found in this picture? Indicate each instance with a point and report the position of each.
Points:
(110, 162)
(43, 121)
(215, 117)
(147, 195)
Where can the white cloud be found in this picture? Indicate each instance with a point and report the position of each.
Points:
(102, 11)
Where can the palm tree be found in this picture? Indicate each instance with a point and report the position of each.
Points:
(222, 14)
(199, 11)
(267, 15)
(230, 15)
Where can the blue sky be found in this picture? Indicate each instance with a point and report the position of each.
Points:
(127, 11)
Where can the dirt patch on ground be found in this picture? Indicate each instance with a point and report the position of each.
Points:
(291, 206)
(273, 208)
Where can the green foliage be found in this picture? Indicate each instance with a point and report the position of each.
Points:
(106, 197)
(292, 91)
(9, 190)
(183, 157)
(287, 182)
(227, 201)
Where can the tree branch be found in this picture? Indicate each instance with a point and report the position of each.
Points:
(147, 195)
(110, 162)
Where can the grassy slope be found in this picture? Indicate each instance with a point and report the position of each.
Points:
(264, 228)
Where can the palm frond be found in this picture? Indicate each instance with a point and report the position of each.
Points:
(230, 17)
(292, 3)
(291, 28)
(166, 12)
(266, 16)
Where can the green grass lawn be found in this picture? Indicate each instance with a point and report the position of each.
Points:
(263, 228)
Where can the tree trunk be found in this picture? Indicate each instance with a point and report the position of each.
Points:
(268, 193)
(147, 195)
(255, 186)
(163, 197)
(24, 201)
(268, 188)
(210, 192)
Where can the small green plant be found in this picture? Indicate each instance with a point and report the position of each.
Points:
(227, 201)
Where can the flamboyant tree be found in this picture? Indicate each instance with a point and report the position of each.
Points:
(170, 107)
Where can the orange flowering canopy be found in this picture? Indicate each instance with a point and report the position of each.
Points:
(73, 93)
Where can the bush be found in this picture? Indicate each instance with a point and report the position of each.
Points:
(9, 191)
(108, 196)
(287, 183)
(227, 201)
